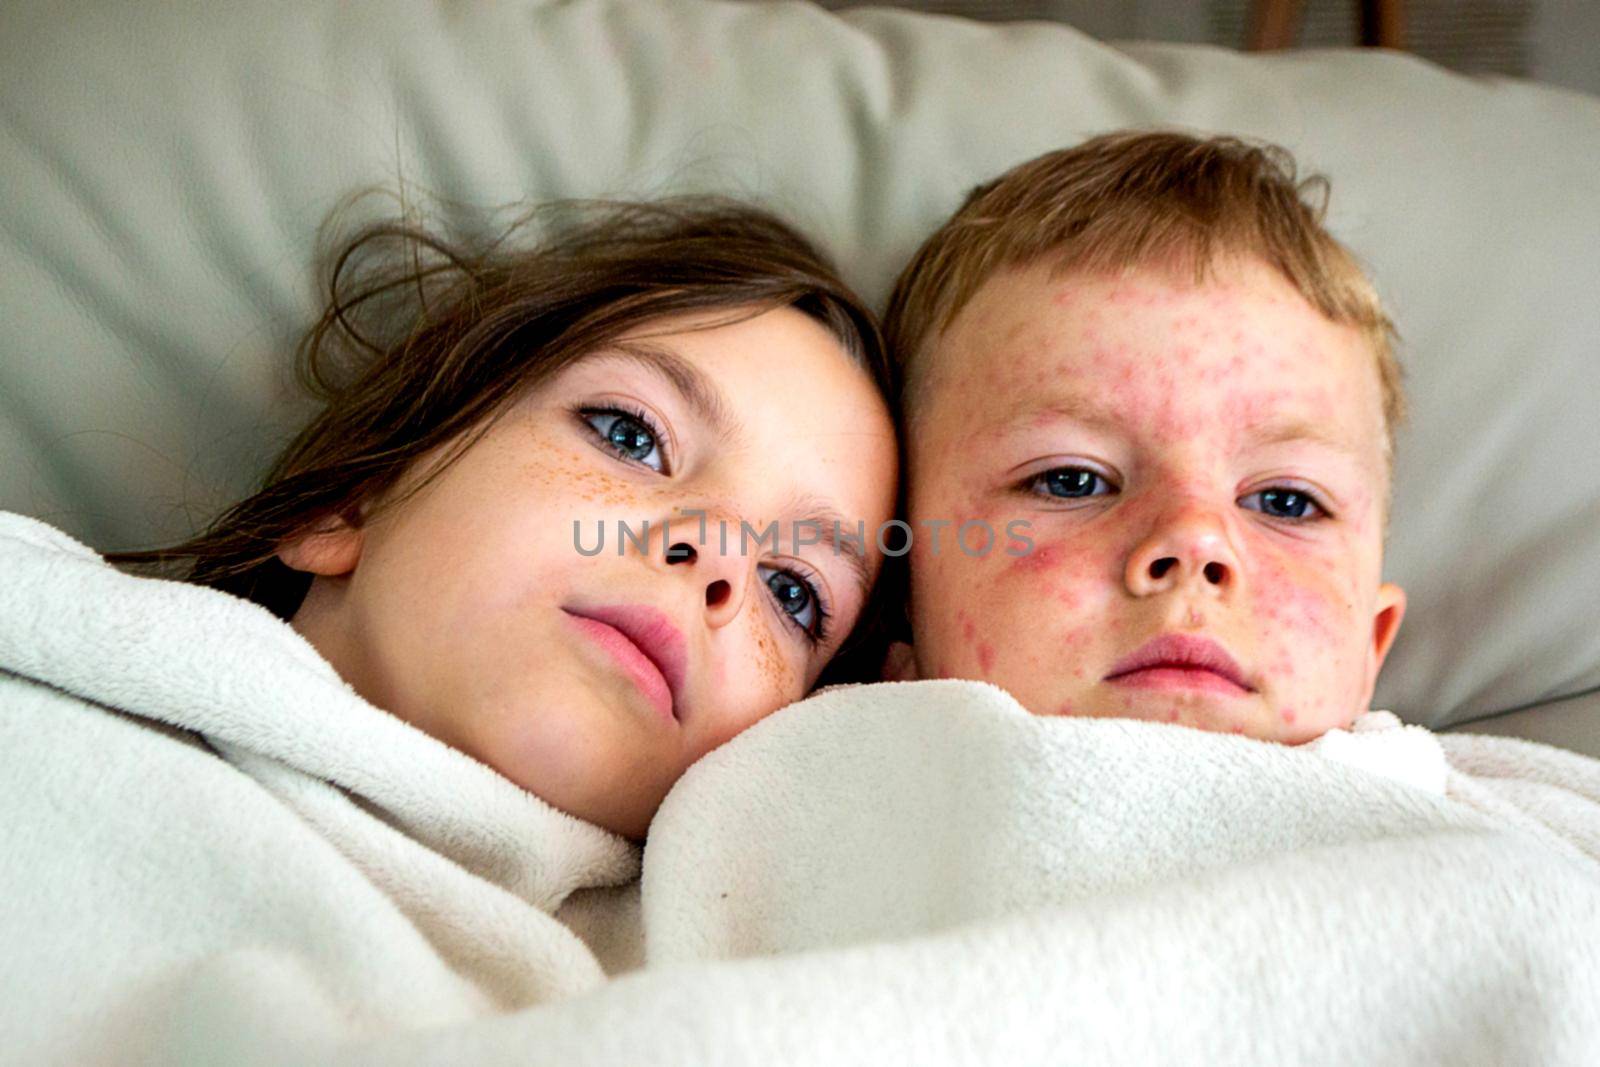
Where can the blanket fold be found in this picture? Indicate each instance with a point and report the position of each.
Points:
(1149, 892)
(189, 786)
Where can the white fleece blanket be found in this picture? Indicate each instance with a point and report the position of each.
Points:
(924, 874)
(915, 874)
(1045, 890)
(201, 821)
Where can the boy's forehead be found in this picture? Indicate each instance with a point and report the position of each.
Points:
(1108, 352)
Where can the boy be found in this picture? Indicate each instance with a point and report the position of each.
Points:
(1148, 348)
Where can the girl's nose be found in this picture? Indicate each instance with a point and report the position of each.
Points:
(721, 576)
(1188, 546)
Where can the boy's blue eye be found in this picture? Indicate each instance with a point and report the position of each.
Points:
(1069, 483)
(1283, 504)
(798, 599)
(629, 435)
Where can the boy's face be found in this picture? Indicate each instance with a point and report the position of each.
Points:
(1203, 476)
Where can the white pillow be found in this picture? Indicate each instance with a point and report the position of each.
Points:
(166, 166)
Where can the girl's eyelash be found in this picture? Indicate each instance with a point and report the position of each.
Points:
(817, 632)
(634, 412)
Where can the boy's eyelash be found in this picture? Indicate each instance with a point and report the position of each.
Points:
(1323, 512)
(1029, 486)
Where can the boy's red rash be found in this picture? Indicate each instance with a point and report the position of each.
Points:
(1253, 383)
(1042, 558)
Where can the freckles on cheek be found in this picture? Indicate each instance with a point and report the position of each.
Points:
(576, 473)
(772, 667)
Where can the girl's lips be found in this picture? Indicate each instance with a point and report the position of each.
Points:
(1178, 661)
(645, 645)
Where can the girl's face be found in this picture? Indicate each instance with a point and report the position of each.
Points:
(478, 610)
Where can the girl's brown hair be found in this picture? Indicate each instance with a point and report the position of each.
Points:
(423, 342)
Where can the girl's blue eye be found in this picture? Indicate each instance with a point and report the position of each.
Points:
(1282, 503)
(1069, 483)
(629, 435)
(799, 600)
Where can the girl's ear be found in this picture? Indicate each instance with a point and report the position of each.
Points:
(900, 663)
(331, 548)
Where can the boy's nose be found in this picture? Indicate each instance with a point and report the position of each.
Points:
(1189, 545)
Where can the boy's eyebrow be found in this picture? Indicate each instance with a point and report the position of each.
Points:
(1283, 431)
(696, 388)
(1088, 412)
(1272, 431)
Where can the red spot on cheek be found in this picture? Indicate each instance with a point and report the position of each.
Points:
(1040, 559)
(1172, 716)
(1287, 715)
(985, 657)
(1077, 638)
(1238, 729)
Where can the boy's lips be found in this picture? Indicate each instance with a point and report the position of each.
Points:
(646, 645)
(1178, 661)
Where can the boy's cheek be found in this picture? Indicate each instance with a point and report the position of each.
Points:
(1310, 653)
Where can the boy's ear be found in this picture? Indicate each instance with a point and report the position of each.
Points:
(900, 663)
(331, 548)
(1386, 622)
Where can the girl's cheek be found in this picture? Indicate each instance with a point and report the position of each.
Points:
(756, 683)
(774, 674)
(578, 473)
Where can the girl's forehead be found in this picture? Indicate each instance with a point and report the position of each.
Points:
(772, 397)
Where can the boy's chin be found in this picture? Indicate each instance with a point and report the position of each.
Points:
(1253, 719)
(1213, 714)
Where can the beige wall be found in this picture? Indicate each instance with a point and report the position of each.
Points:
(1553, 41)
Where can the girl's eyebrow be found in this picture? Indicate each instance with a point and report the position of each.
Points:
(827, 520)
(692, 384)
(702, 394)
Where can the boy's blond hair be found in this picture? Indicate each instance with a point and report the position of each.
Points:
(1136, 198)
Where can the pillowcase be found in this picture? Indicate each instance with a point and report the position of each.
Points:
(167, 168)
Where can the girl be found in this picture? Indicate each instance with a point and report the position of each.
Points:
(371, 812)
